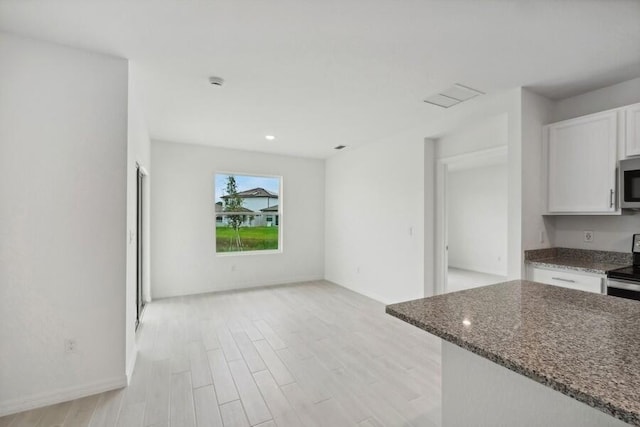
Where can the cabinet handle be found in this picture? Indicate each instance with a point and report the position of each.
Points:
(611, 198)
(563, 280)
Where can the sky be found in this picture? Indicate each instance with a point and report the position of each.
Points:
(245, 182)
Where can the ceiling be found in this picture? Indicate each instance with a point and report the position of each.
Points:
(319, 73)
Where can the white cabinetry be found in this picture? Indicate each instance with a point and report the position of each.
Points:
(632, 118)
(568, 279)
(581, 165)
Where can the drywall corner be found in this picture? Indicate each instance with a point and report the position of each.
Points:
(429, 263)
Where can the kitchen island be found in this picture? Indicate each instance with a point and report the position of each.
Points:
(528, 354)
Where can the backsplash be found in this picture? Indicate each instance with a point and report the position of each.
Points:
(610, 233)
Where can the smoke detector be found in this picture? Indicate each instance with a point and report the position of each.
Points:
(218, 81)
(453, 95)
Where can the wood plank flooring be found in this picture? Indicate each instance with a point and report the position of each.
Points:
(311, 354)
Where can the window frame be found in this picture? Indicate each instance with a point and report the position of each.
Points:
(280, 249)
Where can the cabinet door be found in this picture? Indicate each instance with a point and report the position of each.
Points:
(569, 280)
(582, 164)
(632, 142)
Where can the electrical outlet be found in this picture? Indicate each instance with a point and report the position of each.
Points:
(233, 268)
(70, 345)
(358, 269)
(588, 236)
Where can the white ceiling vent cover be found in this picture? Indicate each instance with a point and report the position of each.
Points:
(454, 95)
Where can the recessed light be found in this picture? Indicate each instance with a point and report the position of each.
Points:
(217, 81)
(466, 322)
(270, 137)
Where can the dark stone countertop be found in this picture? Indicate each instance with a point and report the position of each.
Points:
(588, 261)
(582, 344)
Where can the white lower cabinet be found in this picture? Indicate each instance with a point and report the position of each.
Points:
(573, 280)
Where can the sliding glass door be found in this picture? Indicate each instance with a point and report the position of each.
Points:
(139, 245)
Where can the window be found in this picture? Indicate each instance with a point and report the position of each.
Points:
(247, 210)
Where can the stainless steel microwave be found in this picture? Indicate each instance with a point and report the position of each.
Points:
(630, 183)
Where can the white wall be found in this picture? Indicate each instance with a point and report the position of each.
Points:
(606, 98)
(374, 219)
(477, 219)
(503, 110)
(183, 258)
(63, 152)
(138, 151)
(481, 135)
(610, 232)
(493, 125)
(537, 230)
(500, 116)
(362, 184)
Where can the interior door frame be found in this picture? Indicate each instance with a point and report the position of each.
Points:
(141, 175)
(441, 231)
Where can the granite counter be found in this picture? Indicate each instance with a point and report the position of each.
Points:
(584, 345)
(582, 260)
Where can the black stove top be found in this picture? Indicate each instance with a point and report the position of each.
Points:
(631, 272)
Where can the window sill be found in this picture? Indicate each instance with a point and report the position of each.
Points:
(245, 253)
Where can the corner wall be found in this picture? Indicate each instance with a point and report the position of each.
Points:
(138, 152)
(377, 193)
(183, 257)
(375, 219)
(537, 231)
(63, 153)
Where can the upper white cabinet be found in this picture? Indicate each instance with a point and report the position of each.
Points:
(632, 143)
(581, 164)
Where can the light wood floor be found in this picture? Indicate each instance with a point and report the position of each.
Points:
(459, 279)
(312, 354)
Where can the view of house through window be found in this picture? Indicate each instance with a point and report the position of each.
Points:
(247, 210)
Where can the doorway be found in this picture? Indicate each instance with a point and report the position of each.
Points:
(140, 297)
(471, 227)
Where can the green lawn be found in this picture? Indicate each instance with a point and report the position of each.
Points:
(253, 238)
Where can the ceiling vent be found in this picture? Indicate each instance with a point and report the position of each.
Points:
(339, 147)
(452, 96)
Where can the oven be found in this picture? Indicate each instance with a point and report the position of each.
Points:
(624, 282)
(629, 289)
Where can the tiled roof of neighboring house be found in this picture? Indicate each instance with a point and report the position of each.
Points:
(242, 209)
(220, 208)
(270, 209)
(255, 192)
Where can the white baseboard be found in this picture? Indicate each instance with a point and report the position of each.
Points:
(132, 364)
(245, 285)
(47, 398)
(479, 270)
(369, 295)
